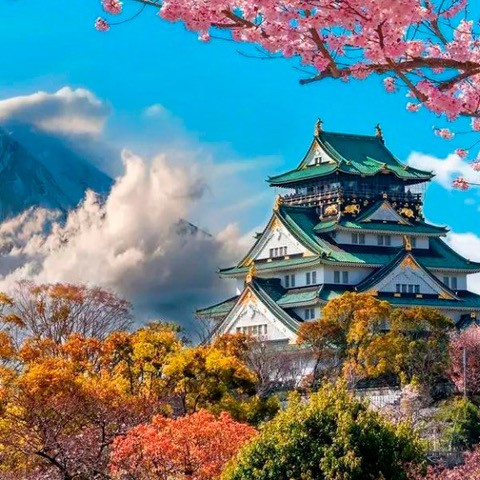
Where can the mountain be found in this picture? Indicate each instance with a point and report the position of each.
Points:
(37, 170)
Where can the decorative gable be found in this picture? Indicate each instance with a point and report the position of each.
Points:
(275, 241)
(385, 213)
(408, 276)
(252, 317)
(317, 155)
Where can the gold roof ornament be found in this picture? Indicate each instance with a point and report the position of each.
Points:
(379, 132)
(252, 272)
(318, 127)
(407, 243)
(278, 203)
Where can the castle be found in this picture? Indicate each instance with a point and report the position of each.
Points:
(350, 218)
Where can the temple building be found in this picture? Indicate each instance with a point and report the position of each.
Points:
(348, 218)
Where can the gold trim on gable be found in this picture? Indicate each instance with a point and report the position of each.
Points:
(408, 262)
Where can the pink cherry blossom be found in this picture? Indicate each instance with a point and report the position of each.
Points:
(413, 107)
(113, 7)
(476, 164)
(461, 152)
(102, 25)
(355, 39)
(389, 84)
(444, 133)
(460, 184)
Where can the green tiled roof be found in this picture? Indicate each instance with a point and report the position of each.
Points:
(301, 223)
(466, 300)
(438, 256)
(381, 273)
(416, 229)
(269, 292)
(352, 154)
(218, 310)
(264, 266)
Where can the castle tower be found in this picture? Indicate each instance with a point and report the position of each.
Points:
(348, 218)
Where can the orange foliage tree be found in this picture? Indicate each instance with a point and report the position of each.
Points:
(195, 447)
(359, 336)
(58, 310)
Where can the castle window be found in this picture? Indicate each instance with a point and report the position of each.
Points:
(287, 281)
(413, 242)
(398, 288)
(311, 278)
(292, 280)
(384, 240)
(309, 313)
(451, 282)
(340, 277)
(278, 252)
(417, 288)
(358, 238)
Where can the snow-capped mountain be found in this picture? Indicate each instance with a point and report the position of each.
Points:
(40, 171)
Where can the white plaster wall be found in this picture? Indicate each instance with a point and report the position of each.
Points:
(461, 278)
(280, 237)
(408, 276)
(301, 277)
(255, 313)
(355, 275)
(301, 312)
(372, 240)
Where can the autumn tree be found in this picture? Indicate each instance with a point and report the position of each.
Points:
(63, 404)
(195, 447)
(58, 310)
(350, 337)
(215, 377)
(426, 334)
(362, 337)
(467, 341)
(330, 436)
(426, 49)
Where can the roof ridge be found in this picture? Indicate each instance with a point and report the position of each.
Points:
(343, 134)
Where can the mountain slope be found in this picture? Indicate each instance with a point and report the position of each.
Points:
(55, 178)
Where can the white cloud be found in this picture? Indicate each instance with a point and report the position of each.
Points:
(132, 243)
(67, 111)
(468, 245)
(446, 169)
(156, 110)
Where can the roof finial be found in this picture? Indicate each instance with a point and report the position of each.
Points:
(252, 272)
(378, 132)
(318, 127)
(278, 203)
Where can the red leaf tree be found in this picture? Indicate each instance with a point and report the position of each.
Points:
(195, 447)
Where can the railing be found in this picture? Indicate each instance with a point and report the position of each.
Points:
(364, 194)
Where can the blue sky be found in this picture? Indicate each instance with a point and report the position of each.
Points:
(234, 109)
(255, 107)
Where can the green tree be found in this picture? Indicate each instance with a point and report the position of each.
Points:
(331, 437)
(463, 423)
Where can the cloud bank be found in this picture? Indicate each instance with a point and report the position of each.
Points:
(445, 169)
(468, 245)
(134, 243)
(67, 111)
